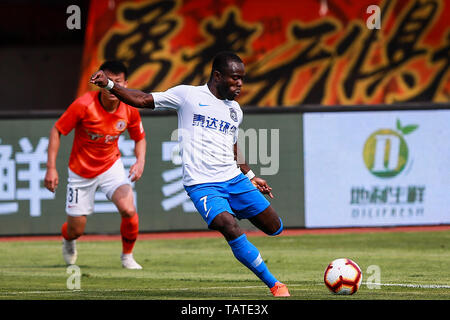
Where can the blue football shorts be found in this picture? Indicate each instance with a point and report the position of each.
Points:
(237, 196)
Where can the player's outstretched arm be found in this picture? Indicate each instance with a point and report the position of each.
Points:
(132, 97)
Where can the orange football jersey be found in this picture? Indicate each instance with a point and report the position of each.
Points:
(95, 144)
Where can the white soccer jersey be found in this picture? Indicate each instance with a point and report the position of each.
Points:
(207, 131)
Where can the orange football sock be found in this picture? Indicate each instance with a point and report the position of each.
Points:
(64, 231)
(129, 229)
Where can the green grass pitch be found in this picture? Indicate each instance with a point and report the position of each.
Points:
(412, 265)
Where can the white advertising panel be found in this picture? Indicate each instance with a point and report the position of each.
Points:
(377, 168)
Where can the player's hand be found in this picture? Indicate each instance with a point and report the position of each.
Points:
(51, 179)
(262, 186)
(99, 79)
(136, 171)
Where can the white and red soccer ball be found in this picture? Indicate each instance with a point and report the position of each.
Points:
(343, 276)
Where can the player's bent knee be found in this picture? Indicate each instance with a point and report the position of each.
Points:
(128, 213)
(277, 232)
(227, 225)
(75, 233)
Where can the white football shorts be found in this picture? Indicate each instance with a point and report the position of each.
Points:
(81, 191)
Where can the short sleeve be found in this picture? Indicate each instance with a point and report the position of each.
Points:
(135, 127)
(69, 119)
(172, 98)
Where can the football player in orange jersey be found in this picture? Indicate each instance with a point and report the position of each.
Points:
(98, 118)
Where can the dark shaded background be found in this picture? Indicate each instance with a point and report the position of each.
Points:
(40, 57)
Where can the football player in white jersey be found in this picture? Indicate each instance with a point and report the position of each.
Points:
(221, 188)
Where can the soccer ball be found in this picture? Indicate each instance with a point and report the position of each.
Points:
(343, 276)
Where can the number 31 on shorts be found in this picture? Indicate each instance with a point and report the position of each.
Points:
(72, 196)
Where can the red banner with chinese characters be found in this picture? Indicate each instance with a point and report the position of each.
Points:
(327, 52)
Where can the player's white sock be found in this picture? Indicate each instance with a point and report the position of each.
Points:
(128, 261)
(69, 251)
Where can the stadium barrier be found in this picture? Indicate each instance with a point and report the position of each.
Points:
(328, 166)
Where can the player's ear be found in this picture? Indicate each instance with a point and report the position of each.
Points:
(125, 84)
(217, 75)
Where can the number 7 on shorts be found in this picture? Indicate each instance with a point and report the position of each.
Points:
(204, 205)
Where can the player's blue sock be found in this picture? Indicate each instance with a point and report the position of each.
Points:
(249, 256)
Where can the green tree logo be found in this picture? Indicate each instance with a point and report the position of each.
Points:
(386, 152)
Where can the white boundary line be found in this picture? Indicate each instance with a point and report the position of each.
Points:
(68, 291)
(419, 286)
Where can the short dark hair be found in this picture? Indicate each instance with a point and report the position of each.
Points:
(115, 67)
(221, 60)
